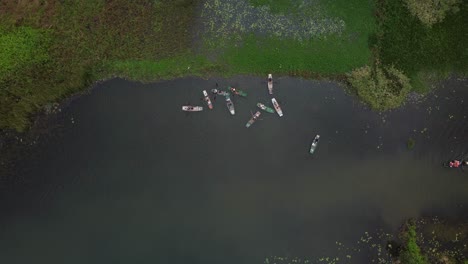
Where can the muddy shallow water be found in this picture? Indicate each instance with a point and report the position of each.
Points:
(130, 178)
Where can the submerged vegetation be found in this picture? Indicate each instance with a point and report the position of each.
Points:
(381, 87)
(419, 241)
(51, 49)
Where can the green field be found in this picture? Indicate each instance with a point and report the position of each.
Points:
(52, 49)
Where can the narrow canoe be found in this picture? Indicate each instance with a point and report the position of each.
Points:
(253, 119)
(207, 99)
(190, 108)
(277, 107)
(270, 83)
(265, 108)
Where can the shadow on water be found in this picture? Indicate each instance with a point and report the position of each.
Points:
(133, 179)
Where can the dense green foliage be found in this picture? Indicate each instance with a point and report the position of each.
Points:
(404, 42)
(381, 87)
(412, 253)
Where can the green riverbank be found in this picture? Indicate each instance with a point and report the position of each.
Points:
(52, 49)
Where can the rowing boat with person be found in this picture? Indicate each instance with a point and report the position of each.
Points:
(253, 119)
(237, 92)
(191, 108)
(270, 83)
(265, 108)
(277, 107)
(230, 105)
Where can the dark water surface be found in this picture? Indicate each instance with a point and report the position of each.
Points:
(134, 180)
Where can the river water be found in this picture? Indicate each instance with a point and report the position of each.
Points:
(130, 178)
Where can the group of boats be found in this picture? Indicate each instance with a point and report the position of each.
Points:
(230, 105)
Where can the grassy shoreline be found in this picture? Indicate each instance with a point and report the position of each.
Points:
(51, 50)
(86, 40)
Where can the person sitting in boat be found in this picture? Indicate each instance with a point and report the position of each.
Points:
(316, 140)
(270, 80)
(454, 164)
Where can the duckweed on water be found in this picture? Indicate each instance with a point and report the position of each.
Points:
(425, 240)
(371, 244)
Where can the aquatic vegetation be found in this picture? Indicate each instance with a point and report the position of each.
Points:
(382, 88)
(441, 239)
(301, 38)
(420, 241)
(412, 253)
(371, 244)
(239, 18)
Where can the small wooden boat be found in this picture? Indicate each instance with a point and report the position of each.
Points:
(277, 107)
(237, 92)
(230, 105)
(265, 108)
(314, 144)
(207, 99)
(190, 108)
(270, 83)
(253, 119)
